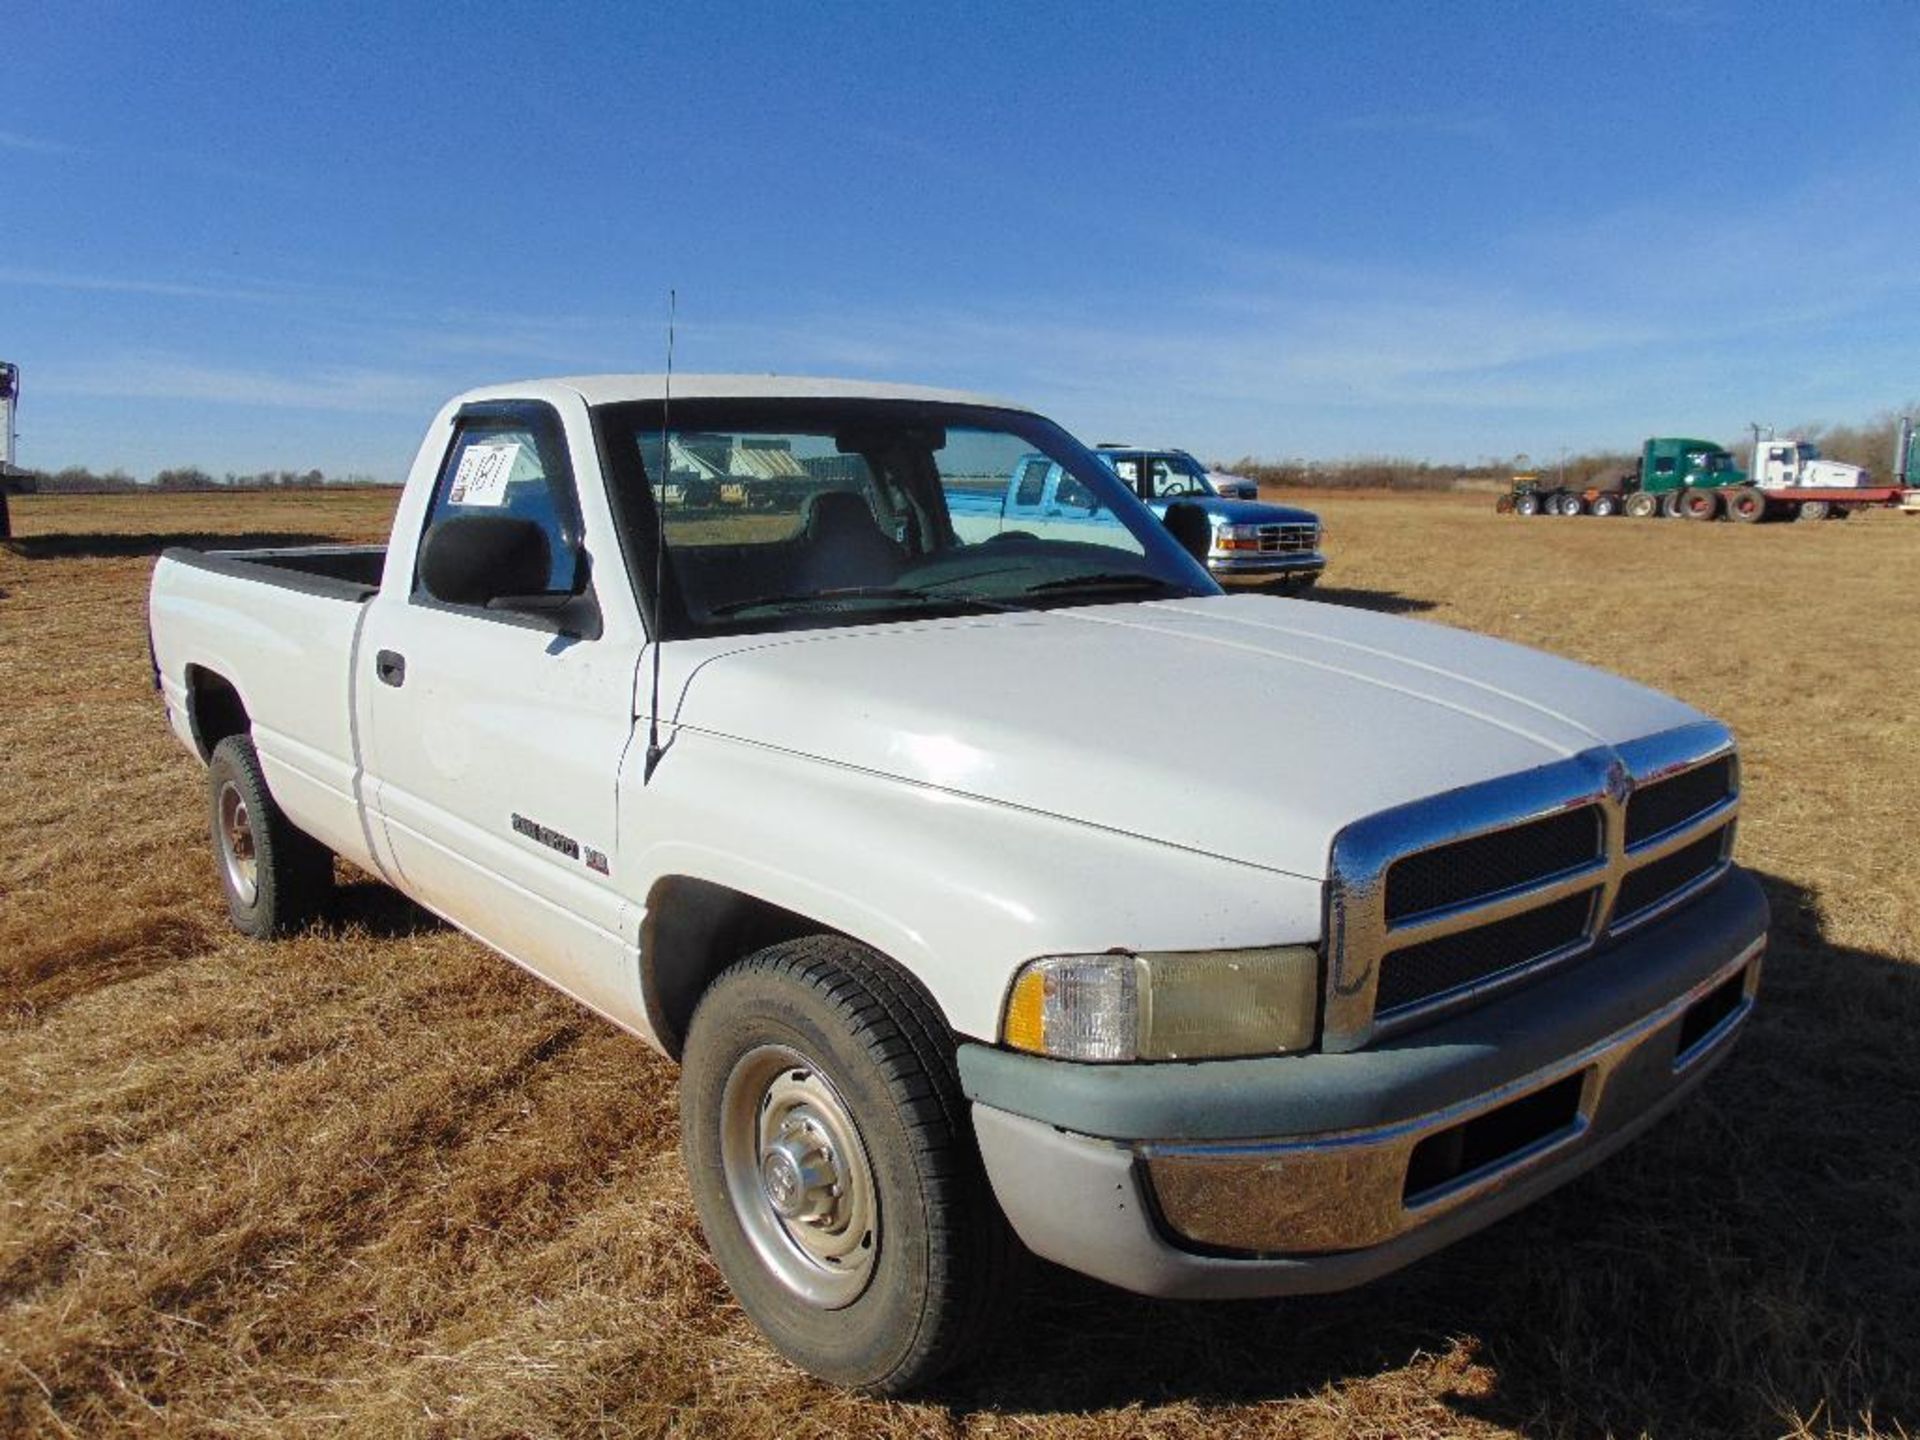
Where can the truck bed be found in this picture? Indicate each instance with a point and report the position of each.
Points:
(337, 572)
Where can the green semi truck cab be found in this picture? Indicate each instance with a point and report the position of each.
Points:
(1670, 463)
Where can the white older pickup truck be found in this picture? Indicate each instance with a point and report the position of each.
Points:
(894, 854)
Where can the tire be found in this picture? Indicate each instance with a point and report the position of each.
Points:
(1643, 506)
(1604, 505)
(851, 1052)
(1746, 507)
(1700, 505)
(1526, 504)
(1670, 504)
(1303, 583)
(1813, 510)
(276, 878)
(1572, 505)
(1503, 505)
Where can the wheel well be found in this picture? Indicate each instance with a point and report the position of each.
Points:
(695, 929)
(214, 709)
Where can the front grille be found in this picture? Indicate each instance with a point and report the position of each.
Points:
(1287, 539)
(1488, 865)
(1432, 968)
(1667, 804)
(1437, 903)
(1652, 883)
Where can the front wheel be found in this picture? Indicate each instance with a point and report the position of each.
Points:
(276, 877)
(1526, 505)
(833, 1164)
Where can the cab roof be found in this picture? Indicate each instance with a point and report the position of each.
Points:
(612, 389)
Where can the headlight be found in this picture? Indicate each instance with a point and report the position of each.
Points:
(1236, 537)
(1174, 1005)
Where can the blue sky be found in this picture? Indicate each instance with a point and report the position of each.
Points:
(250, 236)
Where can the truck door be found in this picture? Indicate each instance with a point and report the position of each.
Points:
(496, 743)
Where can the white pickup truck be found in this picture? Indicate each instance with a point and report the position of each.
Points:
(894, 855)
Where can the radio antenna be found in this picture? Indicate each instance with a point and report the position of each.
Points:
(654, 749)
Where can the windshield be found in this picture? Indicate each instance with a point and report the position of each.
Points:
(807, 513)
(1169, 476)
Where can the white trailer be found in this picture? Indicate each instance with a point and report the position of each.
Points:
(10, 476)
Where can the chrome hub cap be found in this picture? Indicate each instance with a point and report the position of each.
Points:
(798, 1176)
(238, 854)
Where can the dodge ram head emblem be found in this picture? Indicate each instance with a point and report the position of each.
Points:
(1619, 783)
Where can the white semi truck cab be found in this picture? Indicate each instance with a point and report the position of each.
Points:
(1790, 464)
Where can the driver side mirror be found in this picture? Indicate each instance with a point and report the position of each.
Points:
(1187, 522)
(502, 562)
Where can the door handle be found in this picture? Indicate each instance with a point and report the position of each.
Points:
(391, 667)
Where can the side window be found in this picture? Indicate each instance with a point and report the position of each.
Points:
(1664, 465)
(1072, 494)
(1033, 484)
(519, 469)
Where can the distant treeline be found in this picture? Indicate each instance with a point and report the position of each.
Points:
(78, 480)
(1869, 444)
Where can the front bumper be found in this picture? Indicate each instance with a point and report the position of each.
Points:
(1255, 566)
(1320, 1172)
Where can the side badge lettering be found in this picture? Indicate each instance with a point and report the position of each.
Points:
(552, 839)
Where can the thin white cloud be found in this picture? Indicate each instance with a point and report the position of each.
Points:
(162, 377)
(1449, 125)
(34, 144)
(120, 284)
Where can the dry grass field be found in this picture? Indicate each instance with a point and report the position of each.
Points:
(375, 1181)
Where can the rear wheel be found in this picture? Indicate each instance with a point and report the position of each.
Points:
(1642, 506)
(1605, 505)
(1746, 507)
(1572, 505)
(1700, 505)
(833, 1164)
(276, 877)
(1813, 510)
(1526, 504)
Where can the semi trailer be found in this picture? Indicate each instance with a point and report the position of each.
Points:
(12, 479)
(1789, 479)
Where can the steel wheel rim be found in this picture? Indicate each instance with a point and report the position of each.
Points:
(239, 854)
(798, 1176)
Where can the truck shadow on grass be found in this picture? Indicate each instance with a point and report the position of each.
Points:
(1752, 1262)
(1384, 602)
(378, 909)
(107, 545)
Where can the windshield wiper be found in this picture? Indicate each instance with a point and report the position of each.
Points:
(858, 592)
(1120, 580)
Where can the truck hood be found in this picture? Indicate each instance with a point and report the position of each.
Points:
(1105, 714)
(1241, 512)
(1834, 475)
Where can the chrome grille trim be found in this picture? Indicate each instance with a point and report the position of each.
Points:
(1359, 936)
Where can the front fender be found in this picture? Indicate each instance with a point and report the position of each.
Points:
(958, 890)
